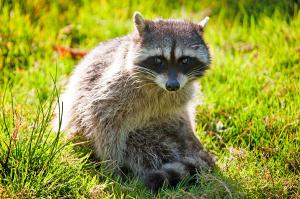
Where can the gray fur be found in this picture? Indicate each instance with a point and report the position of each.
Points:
(130, 120)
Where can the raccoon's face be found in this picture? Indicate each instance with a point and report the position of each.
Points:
(170, 52)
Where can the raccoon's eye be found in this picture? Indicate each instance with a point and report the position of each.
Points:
(184, 60)
(157, 60)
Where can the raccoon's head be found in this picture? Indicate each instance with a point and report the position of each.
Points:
(170, 53)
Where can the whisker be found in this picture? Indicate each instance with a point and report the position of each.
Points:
(147, 71)
(150, 74)
(194, 75)
(195, 71)
(130, 78)
(143, 85)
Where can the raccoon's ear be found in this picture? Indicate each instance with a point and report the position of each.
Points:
(203, 23)
(139, 22)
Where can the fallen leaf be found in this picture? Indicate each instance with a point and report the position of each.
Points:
(66, 52)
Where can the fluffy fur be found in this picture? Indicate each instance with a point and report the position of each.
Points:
(124, 109)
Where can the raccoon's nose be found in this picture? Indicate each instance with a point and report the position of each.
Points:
(172, 85)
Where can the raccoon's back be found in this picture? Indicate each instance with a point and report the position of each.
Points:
(84, 78)
(101, 57)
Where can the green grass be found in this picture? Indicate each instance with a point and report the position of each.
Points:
(250, 118)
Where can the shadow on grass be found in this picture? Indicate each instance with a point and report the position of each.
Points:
(257, 8)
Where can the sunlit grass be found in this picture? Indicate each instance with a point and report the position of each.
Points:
(250, 118)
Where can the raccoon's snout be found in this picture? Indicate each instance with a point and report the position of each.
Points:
(172, 85)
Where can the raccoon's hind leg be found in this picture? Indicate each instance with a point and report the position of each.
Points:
(161, 155)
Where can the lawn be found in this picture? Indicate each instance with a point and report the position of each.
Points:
(249, 118)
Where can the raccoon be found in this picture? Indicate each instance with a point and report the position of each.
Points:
(130, 96)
